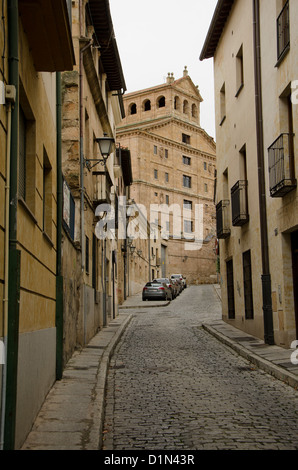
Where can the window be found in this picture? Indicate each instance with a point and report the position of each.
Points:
(247, 280)
(222, 104)
(239, 71)
(155, 150)
(68, 211)
(194, 111)
(47, 195)
(27, 155)
(205, 166)
(166, 153)
(167, 199)
(281, 153)
(187, 204)
(188, 226)
(206, 187)
(185, 107)
(230, 289)
(94, 263)
(186, 160)
(283, 31)
(133, 109)
(161, 102)
(187, 181)
(177, 102)
(22, 154)
(155, 174)
(87, 254)
(166, 177)
(186, 139)
(147, 105)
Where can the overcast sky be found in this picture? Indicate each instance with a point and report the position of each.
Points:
(160, 36)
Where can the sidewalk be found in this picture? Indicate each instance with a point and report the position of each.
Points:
(71, 417)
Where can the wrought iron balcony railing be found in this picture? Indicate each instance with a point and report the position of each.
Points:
(240, 214)
(283, 30)
(223, 219)
(281, 166)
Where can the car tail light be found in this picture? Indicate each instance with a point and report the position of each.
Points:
(145, 288)
(161, 288)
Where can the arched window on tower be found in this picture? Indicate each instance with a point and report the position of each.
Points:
(161, 102)
(185, 107)
(147, 105)
(194, 111)
(133, 108)
(177, 103)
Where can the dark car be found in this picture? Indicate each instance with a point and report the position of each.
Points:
(156, 291)
(172, 286)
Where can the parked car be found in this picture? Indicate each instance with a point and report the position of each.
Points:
(180, 278)
(170, 284)
(156, 290)
(177, 286)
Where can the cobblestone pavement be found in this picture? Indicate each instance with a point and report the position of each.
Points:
(171, 385)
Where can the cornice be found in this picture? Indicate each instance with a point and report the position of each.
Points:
(187, 149)
(146, 127)
(173, 190)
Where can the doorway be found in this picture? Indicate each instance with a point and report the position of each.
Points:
(294, 245)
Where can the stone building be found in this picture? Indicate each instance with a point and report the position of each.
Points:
(254, 47)
(92, 108)
(35, 48)
(173, 165)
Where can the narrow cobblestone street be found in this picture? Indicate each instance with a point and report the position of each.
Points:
(171, 385)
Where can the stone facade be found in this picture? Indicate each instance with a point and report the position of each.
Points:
(90, 109)
(173, 164)
(257, 164)
(29, 224)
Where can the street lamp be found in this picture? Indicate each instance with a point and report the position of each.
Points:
(105, 144)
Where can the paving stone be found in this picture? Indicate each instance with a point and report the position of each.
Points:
(180, 388)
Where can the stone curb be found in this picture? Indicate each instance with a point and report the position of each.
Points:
(272, 369)
(98, 405)
(125, 307)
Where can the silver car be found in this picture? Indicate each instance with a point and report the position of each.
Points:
(156, 290)
(180, 278)
(172, 286)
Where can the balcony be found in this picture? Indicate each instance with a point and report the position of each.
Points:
(239, 204)
(281, 166)
(222, 219)
(283, 31)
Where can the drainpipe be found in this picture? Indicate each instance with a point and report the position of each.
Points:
(14, 253)
(266, 277)
(82, 196)
(59, 277)
(6, 268)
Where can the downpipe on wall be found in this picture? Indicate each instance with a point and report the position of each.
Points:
(266, 277)
(9, 103)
